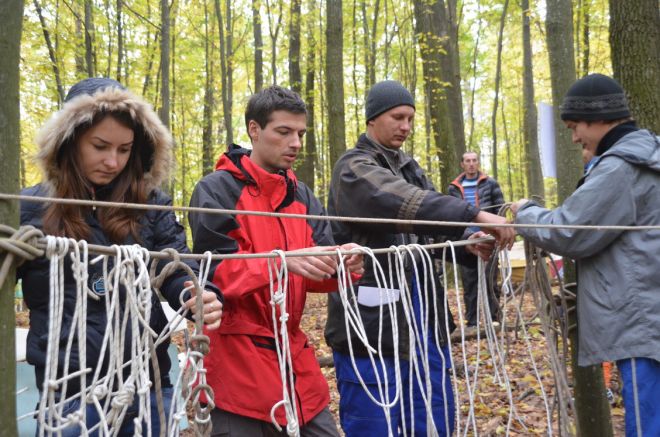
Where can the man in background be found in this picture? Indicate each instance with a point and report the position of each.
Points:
(482, 191)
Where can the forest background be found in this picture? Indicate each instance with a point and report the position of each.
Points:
(477, 70)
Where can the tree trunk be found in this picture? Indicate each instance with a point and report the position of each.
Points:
(120, 41)
(469, 144)
(369, 37)
(11, 17)
(208, 155)
(354, 72)
(90, 58)
(559, 34)
(635, 46)
(108, 34)
(274, 30)
(295, 76)
(365, 45)
(258, 46)
(593, 412)
(164, 112)
(334, 79)
(306, 171)
(450, 68)
(151, 54)
(498, 75)
(430, 46)
(225, 73)
(229, 79)
(586, 18)
(51, 54)
(79, 55)
(530, 132)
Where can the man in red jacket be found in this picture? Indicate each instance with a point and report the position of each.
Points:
(243, 366)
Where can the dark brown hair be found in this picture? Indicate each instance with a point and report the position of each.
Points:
(273, 98)
(128, 187)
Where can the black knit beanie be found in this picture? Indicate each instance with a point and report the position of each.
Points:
(595, 97)
(91, 86)
(386, 95)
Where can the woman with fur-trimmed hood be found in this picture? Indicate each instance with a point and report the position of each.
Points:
(104, 144)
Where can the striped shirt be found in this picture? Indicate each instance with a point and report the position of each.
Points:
(470, 190)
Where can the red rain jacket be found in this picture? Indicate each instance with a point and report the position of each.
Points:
(242, 363)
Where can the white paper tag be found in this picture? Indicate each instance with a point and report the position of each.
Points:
(374, 296)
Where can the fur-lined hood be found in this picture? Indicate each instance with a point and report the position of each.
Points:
(82, 109)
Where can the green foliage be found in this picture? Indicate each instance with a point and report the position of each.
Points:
(379, 37)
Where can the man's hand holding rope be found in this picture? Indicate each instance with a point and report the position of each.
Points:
(318, 268)
(484, 249)
(504, 236)
(212, 309)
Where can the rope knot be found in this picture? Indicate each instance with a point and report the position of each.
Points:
(99, 392)
(200, 343)
(292, 428)
(124, 396)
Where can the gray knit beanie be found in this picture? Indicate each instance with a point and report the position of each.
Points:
(91, 85)
(595, 97)
(386, 95)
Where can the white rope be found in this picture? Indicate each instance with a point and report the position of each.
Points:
(118, 381)
(128, 305)
(353, 318)
(278, 301)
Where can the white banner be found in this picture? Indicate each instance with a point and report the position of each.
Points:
(546, 126)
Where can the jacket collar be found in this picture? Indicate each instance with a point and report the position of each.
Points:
(395, 159)
(280, 188)
(459, 179)
(614, 135)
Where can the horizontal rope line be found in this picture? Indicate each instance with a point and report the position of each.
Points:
(107, 250)
(372, 220)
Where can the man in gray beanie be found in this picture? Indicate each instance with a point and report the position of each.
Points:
(377, 179)
(618, 298)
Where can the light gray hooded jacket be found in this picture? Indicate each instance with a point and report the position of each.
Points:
(618, 271)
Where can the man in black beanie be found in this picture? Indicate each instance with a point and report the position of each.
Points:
(377, 179)
(618, 299)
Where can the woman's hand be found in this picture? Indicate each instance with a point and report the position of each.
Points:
(212, 309)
